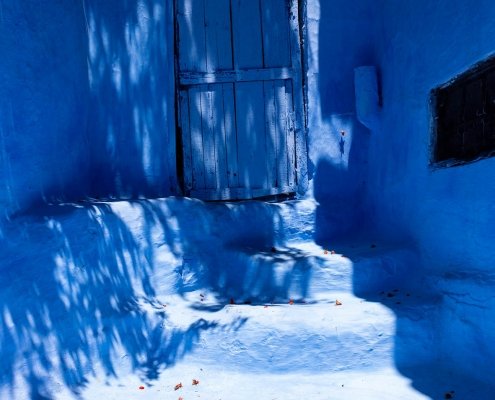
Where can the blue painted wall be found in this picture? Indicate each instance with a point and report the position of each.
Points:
(86, 101)
(86, 109)
(448, 214)
(382, 183)
(131, 116)
(340, 37)
(44, 153)
(96, 121)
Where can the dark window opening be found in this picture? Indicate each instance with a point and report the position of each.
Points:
(464, 119)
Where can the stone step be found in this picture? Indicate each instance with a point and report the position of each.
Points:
(326, 336)
(357, 334)
(220, 383)
(298, 271)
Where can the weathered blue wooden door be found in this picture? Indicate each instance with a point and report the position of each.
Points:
(240, 98)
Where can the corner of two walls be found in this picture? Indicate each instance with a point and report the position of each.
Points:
(384, 177)
(339, 39)
(446, 215)
(87, 103)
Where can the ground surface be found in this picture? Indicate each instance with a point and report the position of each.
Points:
(127, 300)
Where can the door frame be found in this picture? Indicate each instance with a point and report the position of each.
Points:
(175, 152)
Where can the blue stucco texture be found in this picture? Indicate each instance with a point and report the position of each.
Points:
(86, 101)
(86, 111)
(382, 186)
(129, 61)
(448, 214)
(43, 96)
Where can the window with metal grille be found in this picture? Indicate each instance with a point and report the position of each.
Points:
(464, 117)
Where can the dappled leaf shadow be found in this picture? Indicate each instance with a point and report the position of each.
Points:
(76, 286)
(232, 250)
(130, 64)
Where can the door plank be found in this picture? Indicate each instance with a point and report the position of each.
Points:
(186, 138)
(276, 38)
(195, 120)
(291, 142)
(229, 120)
(271, 136)
(281, 106)
(221, 178)
(250, 134)
(218, 37)
(192, 50)
(208, 128)
(246, 26)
